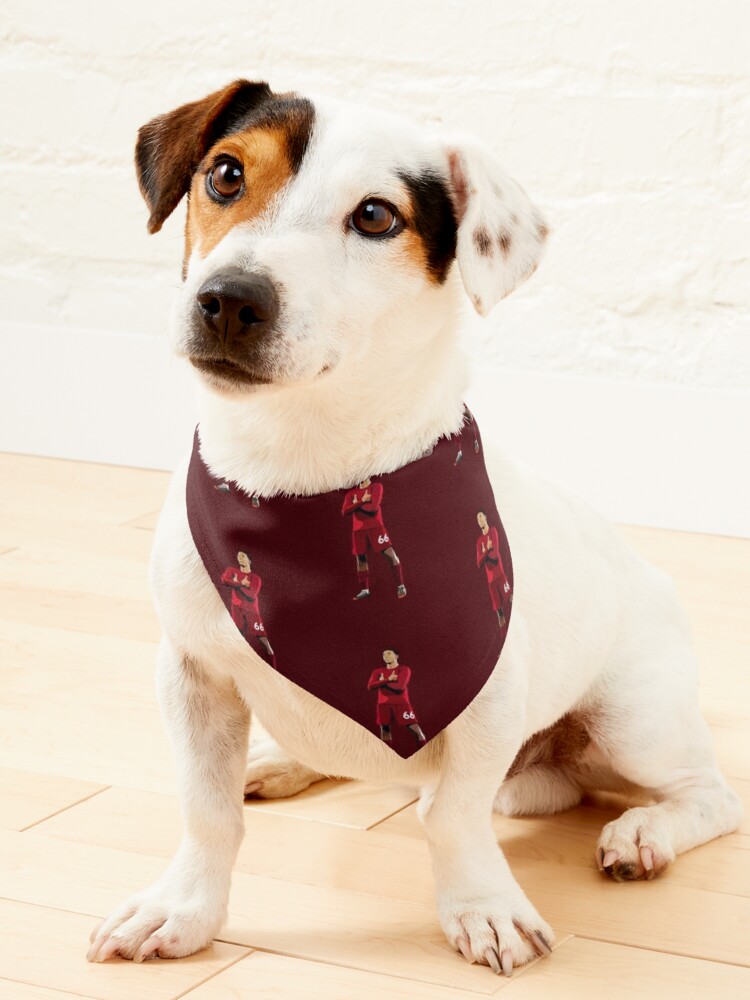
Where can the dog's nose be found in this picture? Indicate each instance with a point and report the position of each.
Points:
(233, 305)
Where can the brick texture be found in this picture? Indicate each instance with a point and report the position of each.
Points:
(629, 123)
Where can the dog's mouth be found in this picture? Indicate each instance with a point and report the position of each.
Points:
(228, 372)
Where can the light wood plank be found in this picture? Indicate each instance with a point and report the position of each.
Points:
(275, 846)
(20, 528)
(569, 839)
(79, 611)
(56, 567)
(82, 491)
(339, 926)
(356, 804)
(678, 910)
(71, 703)
(583, 968)
(312, 880)
(26, 991)
(147, 522)
(275, 977)
(390, 860)
(27, 798)
(45, 948)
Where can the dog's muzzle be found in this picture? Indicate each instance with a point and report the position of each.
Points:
(234, 313)
(235, 308)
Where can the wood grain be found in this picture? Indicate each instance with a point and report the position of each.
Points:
(333, 893)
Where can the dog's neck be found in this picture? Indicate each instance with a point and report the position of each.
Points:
(337, 430)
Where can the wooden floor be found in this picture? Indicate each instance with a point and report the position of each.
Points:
(332, 896)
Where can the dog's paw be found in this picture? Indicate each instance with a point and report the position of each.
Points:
(153, 925)
(272, 774)
(494, 932)
(636, 845)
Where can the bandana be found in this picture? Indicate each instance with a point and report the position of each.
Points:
(390, 601)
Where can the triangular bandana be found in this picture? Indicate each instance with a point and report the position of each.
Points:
(390, 601)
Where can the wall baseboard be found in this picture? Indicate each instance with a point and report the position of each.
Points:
(659, 455)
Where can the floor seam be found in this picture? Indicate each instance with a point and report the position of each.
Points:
(70, 805)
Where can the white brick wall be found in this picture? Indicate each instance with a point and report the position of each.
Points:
(628, 121)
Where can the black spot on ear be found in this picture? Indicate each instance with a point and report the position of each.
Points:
(504, 241)
(482, 242)
(433, 219)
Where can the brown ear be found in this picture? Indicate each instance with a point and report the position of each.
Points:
(170, 147)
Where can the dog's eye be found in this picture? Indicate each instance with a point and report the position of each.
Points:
(224, 181)
(374, 217)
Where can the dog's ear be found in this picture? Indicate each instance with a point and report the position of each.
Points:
(501, 234)
(170, 147)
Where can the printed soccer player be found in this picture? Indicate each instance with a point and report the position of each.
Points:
(226, 488)
(460, 454)
(488, 555)
(363, 505)
(392, 684)
(245, 586)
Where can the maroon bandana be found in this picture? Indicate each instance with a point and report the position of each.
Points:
(390, 601)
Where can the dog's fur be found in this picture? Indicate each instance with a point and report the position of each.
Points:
(596, 687)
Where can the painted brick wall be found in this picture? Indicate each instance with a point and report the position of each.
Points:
(629, 123)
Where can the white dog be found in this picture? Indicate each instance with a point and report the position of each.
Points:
(329, 232)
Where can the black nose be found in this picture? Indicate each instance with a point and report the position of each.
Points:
(234, 305)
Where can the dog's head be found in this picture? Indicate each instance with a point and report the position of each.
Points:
(312, 226)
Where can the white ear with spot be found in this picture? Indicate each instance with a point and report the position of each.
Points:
(501, 234)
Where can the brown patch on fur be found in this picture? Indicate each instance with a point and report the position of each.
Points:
(170, 147)
(482, 242)
(412, 248)
(504, 241)
(542, 231)
(561, 745)
(264, 155)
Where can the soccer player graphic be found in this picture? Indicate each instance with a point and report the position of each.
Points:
(488, 555)
(393, 705)
(460, 454)
(224, 487)
(363, 505)
(245, 586)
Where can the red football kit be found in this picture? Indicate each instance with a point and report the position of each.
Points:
(393, 705)
(245, 607)
(367, 520)
(488, 555)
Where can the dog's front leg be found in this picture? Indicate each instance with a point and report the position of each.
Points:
(183, 910)
(484, 912)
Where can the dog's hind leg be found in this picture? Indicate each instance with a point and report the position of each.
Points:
(651, 732)
(272, 774)
(540, 790)
(183, 910)
(542, 778)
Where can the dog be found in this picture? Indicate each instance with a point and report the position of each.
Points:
(346, 235)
